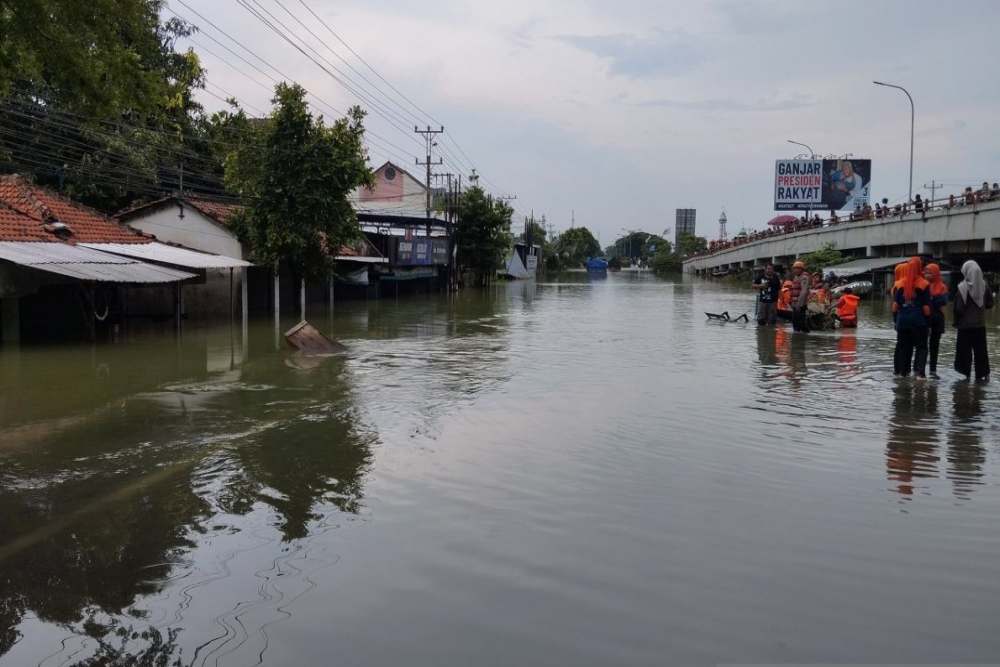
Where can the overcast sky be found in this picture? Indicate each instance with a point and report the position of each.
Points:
(624, 111)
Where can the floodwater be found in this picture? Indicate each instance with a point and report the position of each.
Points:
(575, 473)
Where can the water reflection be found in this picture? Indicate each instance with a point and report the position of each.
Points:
(110, 481)
(966, 454)
(911, 453)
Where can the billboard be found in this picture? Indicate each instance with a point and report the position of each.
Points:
(832, 185)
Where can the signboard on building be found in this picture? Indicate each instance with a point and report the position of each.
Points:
(422, 251)
(832, 185)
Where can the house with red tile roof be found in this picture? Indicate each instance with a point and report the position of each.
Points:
(201, 224)
(60, 217)
(60, 259)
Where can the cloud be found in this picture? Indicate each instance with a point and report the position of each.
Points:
(662, 54)
(731, 104)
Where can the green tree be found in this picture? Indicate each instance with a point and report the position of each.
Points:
(638, 246)
(97, 101)
(688, 245)
(819, 259)
(574, 246)
(665, 261)
(296, 178)
(482, 234)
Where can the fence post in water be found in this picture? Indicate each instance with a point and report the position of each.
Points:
(177, 307)
(277, 309)
(330, 288)
(302, 300)
(246, 316)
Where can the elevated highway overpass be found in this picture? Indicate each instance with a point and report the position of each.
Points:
(955, 234)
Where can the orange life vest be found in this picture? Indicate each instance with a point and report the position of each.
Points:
(847, 307)
(785, 299)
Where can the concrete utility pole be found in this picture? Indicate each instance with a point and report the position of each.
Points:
(933, 187)
(430, 144)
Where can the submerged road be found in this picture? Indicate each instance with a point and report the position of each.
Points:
(577, 472)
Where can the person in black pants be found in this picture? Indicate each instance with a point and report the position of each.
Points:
(800, 297)
(912, 307)
(939, 299)
(768, 286)
(974, 298)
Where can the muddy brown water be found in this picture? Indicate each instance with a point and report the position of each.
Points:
(577, 472)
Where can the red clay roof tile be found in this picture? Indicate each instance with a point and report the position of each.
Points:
(44, 206)
(16, 226)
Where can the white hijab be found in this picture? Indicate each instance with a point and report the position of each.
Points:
(974, 285)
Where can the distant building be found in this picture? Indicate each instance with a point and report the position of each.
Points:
(684, 224)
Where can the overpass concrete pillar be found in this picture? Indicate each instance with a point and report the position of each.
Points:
(922, 247)
(988, 244)
(870, 251)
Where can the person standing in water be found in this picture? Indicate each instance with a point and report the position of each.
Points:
(974, 298)
(768, 287)
(800, 297)
(912, 307)
(939, 299)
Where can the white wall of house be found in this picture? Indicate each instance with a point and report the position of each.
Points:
(193, 230)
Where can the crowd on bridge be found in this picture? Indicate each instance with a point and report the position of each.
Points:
(881, 211)
(919, 300)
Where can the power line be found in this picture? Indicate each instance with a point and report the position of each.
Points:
(369, 135)
(260, 17)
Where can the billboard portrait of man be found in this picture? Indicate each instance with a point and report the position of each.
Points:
(846, 184)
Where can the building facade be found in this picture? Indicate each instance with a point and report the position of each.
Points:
(684, 224)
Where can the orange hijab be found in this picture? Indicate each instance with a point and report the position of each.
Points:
(898, 282)
(913, 278)
(937, 285)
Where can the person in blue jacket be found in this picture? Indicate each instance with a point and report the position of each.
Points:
(912, 308)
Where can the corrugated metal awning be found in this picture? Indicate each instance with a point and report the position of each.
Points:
(86, 264)
(362, 259)
(859, 266)
(169, 254)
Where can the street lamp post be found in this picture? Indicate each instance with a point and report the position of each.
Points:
(912, 116)
(812, 154)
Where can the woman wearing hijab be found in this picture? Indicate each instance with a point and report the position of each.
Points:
(912, 308)
(939, 299)
(974, 298)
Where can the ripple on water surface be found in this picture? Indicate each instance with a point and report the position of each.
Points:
(562, 473)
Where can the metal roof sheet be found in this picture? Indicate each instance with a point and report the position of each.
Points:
(168, 254)
(862, 266)
(363, 259)
(86, 264)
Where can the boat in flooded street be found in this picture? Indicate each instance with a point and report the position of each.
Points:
(458, 468)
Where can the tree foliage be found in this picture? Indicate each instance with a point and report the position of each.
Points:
(665, 261)
(482, 234)
(574, 246)
(688, 245)
(296, 177)
(638, 246)
(97, 101)
(827, 255)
